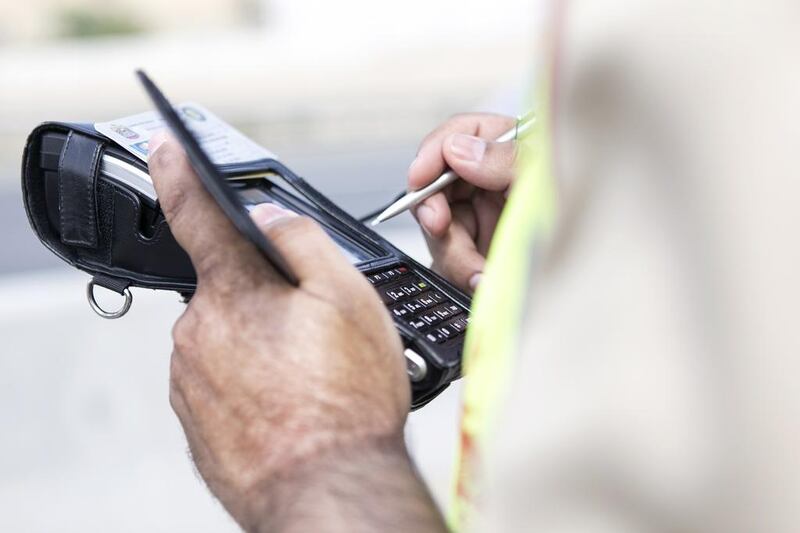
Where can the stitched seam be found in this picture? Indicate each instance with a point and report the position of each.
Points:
(61, 184)
(91, 217)
(110, 231)
(84, 233)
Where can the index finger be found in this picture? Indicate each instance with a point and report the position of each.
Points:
(430, 163)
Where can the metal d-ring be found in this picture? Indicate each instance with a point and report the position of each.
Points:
(102, 312)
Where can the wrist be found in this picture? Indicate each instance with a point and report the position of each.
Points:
(370, 482)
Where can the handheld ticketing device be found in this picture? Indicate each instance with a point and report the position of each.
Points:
(91, 202)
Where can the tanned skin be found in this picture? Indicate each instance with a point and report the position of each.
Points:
(294, 399)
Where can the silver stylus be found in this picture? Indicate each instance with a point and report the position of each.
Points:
(413, 198)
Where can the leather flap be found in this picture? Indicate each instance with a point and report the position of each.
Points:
(77, 185)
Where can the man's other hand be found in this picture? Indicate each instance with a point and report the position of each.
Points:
(459, 222)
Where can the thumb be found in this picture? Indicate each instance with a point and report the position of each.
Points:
(486, 165)
(265, 214)
(300, 240)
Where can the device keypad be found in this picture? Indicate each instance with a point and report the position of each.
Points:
(421, 306)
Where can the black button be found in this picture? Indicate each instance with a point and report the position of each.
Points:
(395, 294)
(463, 321)
(410, 289)
(390, 274)
(413, 306)
(426, 301)
(443, 312)
(431, 318)
(437, 296)
(400, 311)
(458, 326)
(376, 279)
(417, 324)
(446, 332)
(436, 336)
(454, 308)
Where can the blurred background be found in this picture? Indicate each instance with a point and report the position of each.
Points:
(342, 91)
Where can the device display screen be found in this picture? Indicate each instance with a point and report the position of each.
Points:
(253, 196)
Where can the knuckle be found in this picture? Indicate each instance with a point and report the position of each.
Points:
(175, 374)
(175, 369)
(176, 400)
(177, 378)
(184, 334)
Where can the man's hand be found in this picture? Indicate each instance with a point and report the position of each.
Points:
(459, 222)
(293, 399)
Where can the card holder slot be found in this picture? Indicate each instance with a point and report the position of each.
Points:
(155, 253)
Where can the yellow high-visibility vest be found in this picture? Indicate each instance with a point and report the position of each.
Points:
(497, 308)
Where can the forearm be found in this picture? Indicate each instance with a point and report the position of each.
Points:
(369, 488)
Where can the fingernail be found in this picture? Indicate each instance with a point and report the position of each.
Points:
(426, 217)
(467, 147)
(265, 214)
(475, 280)
(156, 141)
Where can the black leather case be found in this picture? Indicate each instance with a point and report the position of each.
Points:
(121, 239)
